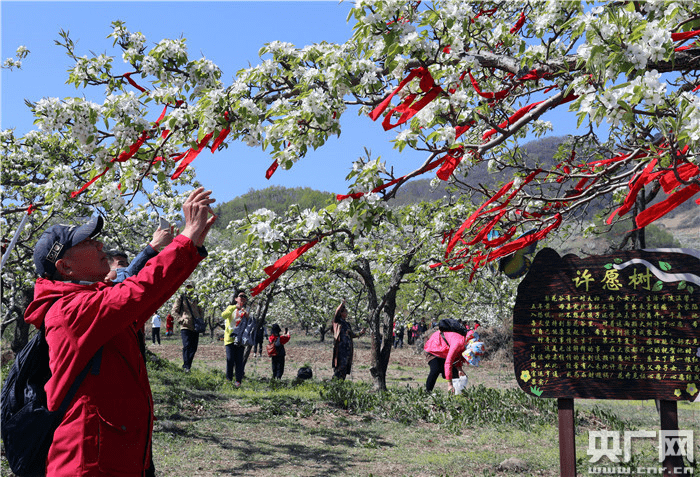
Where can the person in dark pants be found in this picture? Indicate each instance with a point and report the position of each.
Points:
(443, 351)
(237, 335)
(185, 309)
(155, 328)
(279, 340)
(398, 341)
(260, 335)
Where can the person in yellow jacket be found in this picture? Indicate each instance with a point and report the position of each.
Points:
(237, 335)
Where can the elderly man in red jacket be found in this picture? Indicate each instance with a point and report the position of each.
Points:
(108, 426)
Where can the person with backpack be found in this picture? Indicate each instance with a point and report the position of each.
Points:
(443, 351)
(108, 424)
(278, 340)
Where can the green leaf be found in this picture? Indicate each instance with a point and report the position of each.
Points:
(665, 266)
(658, 286)
(682, 284)
(608, 266)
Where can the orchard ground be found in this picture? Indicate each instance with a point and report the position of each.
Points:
(206, 427)
(253, 432)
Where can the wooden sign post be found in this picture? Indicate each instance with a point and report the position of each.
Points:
(619, 326)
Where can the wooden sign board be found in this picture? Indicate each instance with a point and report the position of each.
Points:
(620, 326)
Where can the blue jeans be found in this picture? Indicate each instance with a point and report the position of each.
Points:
(234, 360)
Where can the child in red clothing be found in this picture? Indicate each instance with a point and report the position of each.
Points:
(169, 325)
(279, 341)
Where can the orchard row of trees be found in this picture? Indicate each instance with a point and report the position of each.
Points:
(463, 82)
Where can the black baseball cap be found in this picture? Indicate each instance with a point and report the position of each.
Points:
(55, 240)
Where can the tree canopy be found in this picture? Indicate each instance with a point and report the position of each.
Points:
(463, 82)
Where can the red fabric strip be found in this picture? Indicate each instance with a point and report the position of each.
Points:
(470, 220)
(660, 209)
(684, 35)
(271, 170)
(517, 115)
(385, 104)
(126, 155)
(495, 96)
(132, 82)
(636, 184)
(454, 157)
(220, 139)
(191, 155)
(524, 241)
(486, 229)
(281, 265)
(89, 183)
(407, 108)
(521, 21)
(685, 171)
(357, 195)
(500, 240)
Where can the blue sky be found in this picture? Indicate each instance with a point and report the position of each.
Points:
(230, 33)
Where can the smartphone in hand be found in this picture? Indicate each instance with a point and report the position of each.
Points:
(163, 224)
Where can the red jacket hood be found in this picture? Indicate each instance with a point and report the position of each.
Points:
(46, 292)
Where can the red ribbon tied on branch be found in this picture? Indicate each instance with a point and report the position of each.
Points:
(280, 266)
(407, 109)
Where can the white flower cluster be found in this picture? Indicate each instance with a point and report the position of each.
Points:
(265, 232)
(554, 12)
(51, 113)
(87, 68)
(84, 128)
(654, 44)
(204, 74)
(128, 118)
(312, 220)
(690, 105)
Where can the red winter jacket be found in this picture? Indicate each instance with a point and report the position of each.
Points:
(451, 351)
(108, 425)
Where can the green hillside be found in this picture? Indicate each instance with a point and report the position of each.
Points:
(275, 198)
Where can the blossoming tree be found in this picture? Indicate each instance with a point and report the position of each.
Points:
(464, 82)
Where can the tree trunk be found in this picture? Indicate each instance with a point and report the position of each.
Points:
(381, 315)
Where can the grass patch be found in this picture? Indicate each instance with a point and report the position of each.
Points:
(205, 426)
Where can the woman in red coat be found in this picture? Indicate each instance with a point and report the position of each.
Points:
(444, 352)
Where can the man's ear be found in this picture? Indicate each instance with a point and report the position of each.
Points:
(63, 268)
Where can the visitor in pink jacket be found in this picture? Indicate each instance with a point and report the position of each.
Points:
(444, 353)
(107, 429)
